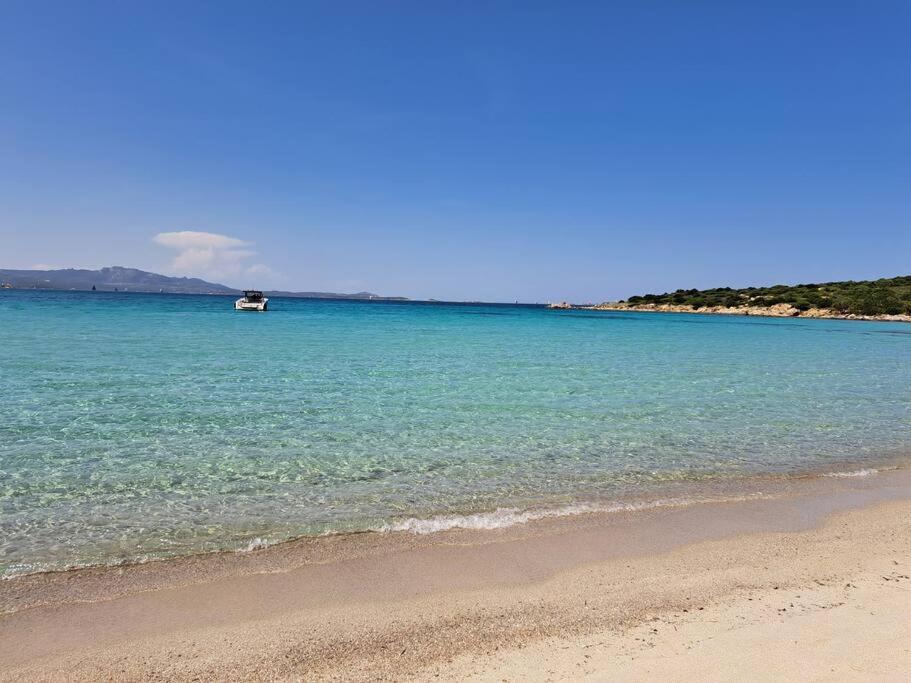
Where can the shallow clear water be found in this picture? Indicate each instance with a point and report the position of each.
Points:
(150, 425)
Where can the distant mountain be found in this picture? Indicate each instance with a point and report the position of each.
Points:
(118, 278)
(109, 279)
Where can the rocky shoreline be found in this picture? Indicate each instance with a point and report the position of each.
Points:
(776, 311)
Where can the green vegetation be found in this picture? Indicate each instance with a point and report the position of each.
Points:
(870, 297)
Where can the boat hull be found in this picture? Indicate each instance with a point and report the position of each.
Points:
(255, 306)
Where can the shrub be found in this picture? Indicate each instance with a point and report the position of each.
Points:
(877, 301)
(885, 296)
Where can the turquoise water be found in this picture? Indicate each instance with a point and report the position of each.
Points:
(138, 426)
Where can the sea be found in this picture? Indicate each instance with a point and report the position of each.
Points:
(145, 426)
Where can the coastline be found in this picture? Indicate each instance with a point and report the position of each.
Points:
(777, 311)
(669, 494)
(462, 602)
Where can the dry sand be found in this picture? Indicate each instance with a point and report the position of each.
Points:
(810, 584)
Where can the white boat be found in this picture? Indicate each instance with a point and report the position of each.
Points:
(252, 300)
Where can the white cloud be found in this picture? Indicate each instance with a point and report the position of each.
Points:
(191, 239)
(209, 255)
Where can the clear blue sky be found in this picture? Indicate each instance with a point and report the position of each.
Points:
(460, 150)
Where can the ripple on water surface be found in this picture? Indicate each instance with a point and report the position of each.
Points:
(152, 425)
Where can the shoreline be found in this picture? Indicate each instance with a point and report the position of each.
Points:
(671, 494)
(778, 311)
(397, 605)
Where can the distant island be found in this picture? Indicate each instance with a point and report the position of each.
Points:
(120, 279)
(885, 299)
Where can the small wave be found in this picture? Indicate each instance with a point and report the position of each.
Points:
(506, 517)
(499, 518)
(853, 473)
(254, 544)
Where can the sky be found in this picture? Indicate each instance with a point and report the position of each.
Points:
(498, 151)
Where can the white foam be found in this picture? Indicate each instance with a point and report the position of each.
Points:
(853, 473)
(499, 518)
(506, 517)
(254, 544)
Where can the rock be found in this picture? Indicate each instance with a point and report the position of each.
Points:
(783, 310)
(777, 311)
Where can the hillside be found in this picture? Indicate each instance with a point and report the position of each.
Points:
(109, 279)
(118, 278)
(888, 296)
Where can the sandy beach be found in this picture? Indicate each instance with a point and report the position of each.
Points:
(811, 581)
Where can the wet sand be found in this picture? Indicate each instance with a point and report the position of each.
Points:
(809, 574)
